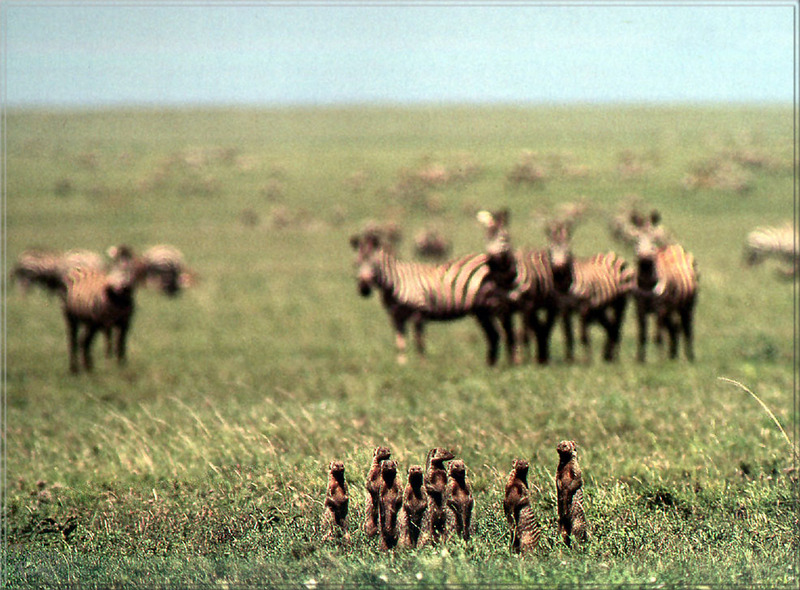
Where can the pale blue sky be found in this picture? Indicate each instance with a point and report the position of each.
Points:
(87, 54)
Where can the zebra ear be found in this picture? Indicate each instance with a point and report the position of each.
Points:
(355, 240)
(503, 216)
(485, 218)
(655, 217)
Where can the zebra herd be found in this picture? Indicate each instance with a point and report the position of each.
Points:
(541, 286)
(98, 294)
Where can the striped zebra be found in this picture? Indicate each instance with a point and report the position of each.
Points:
(779, 242)
(596, 288)
(419, 292)
(523, 280)
(98, 301)
(162, 267)
(48, 269)
(666, 287)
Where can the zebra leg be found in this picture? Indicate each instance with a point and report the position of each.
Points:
(569, 341)
(486, 320)
(72, 343)
(419, 329)
(86, 346)
(687, 315)
(122, 334)
(641, 317)
(400, 338)
(586, 341)
(507, 323)
(668, 322)
(543, 331)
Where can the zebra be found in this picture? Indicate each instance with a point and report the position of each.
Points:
(48, 268)
(666, 286)
(523, 279)
(98, 301)
(780, 242)
(596, 288)
(162, 266)
(422, 292)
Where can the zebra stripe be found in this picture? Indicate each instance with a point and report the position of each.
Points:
(162, 267)
(49, 269)
(779, 242)
(666, 286)
(98, 301)
(522, 282)
(419, 292)
(598, 293)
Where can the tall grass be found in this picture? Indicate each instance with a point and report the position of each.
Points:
(203, 461)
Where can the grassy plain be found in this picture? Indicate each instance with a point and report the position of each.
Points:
(202, 462)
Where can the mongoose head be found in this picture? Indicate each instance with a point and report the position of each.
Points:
(336, 467)
(389, 471)
(566, 449)
(521, 469)
(457, 469)
(415, 476)
(381, 454)
(439, 455)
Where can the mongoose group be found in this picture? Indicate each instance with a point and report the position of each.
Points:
(437, 502)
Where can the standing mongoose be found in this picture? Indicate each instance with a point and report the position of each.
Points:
(525, 532)
(460, 499)
(336, 503)
(436, 486)
(373, 485)
(391, 499)
(415, 506)
(569, 489)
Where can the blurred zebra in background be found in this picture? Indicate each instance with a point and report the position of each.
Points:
(97, 301)
(666, 286)
(419, 292)
(48, 269)
(162, 267)
(597, 287)
(523, 281)
(779, 242)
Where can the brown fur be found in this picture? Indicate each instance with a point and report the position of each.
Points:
(336, 502)
(525, 532)
(415, 505)
(391, 499)
(436, 486)
(569, 484)
(460, 500)
(373, 485)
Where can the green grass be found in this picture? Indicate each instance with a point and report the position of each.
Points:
(203, 461)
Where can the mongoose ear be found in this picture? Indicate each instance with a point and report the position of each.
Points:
(485, 218)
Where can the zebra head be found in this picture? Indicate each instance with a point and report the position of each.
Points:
(368, 247)
(559, 252)
(502, 264)
(649, 238)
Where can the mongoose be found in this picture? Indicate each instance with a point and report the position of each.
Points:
(336, 502)
(519, 514)
(391, 499)
(373, 485)
(460, 498)
(436, 486)
(415, 506)
(569, 488)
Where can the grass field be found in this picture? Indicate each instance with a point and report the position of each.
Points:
(202, 462)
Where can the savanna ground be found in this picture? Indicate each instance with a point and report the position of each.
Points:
(202, 462)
